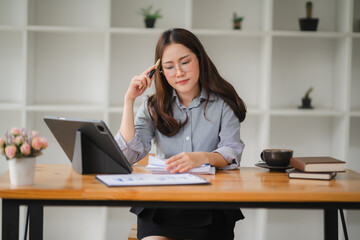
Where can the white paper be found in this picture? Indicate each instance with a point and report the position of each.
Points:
(157, 165)
(143, 179)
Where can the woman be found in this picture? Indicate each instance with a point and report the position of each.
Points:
(193, 118)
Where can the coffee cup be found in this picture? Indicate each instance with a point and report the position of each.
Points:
(277, 157)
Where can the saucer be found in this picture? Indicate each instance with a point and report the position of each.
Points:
(273, 168)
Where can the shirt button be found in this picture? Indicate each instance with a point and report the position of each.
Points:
(187, 138)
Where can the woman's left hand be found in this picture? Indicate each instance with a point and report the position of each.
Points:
(185, 161)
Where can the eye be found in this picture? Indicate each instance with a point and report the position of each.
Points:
(186, 62)
(169, 67)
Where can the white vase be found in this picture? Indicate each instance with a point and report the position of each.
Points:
(22, 171)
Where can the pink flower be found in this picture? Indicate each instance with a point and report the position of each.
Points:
(36, 143)
(34, 133)
(15, 131)
(10, 151)
(17, 140)
(44, 142)
(25, 149)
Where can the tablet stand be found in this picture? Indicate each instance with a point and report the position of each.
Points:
(89, 158)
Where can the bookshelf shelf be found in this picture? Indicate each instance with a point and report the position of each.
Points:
(76, 58)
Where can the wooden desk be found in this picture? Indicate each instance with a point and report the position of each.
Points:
(60, 185)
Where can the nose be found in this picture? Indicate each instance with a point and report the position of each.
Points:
(179, 72)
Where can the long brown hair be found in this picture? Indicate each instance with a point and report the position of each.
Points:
(160, 104)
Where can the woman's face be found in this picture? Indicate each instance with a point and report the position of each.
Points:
(181, 69)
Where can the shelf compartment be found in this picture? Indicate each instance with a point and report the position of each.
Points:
(11, 67)
(10, 106)
(309, 136)
(214, 8)
(66, 68)
(61, 29)
(250, 134)
(229, 33)
(9, 119)
(241, 67)
(12, 12)
(67, 108)
(307, 112)
(332, 15)
(293, 74)
(173, 12)
(356, 16)
(85, 13)
(353, 161)
(298, 34)
(54, 153)
(355, 76)
(114, 122)
(126, 63)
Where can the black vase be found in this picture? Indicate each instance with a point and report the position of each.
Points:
(306, 103)
(150, 22)
(308, 24)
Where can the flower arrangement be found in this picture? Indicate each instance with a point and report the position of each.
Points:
(21, 143)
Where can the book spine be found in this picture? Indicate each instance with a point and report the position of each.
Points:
(297, 164)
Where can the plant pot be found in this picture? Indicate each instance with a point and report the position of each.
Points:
(22, 171)
(149, 23)
(306, 103)
(308, 24)
(237, 25)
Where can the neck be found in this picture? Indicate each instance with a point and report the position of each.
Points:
(186, 98)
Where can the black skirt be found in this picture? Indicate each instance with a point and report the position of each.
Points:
(188, 223)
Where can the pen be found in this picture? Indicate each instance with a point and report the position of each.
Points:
(153, 71)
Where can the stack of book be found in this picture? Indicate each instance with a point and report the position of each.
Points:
(158, 166)
(323, 168)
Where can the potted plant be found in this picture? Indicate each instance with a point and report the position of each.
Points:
(21, 148)
(306, 100)
(150, 16)
(309, 23)
(237, 21)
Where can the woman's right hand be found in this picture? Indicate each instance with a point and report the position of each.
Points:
(139, 84)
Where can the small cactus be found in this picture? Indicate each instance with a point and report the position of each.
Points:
(309, 7)
(308, 93)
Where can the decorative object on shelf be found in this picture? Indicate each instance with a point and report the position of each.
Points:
(149, 16)
(308, 23)
(306, 100)
(237, 21)
(21, 148)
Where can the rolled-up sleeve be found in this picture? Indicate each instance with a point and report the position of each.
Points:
(230, 146)
(140, 145)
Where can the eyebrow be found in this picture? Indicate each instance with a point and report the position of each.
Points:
(179, 59)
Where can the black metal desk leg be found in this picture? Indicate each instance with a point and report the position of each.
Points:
(36, 221)
(10, 219)
(331, 224)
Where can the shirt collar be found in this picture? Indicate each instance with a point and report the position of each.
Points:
(196, 102)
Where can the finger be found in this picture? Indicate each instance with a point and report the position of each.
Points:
(174, 158)
(147, 71)
(184, 169)
(173, 165)
(141, 83)
(176, 169)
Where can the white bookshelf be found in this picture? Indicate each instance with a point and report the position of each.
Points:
(75, 58)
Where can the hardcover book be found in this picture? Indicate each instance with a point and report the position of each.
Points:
(312, 175)
(317, 164)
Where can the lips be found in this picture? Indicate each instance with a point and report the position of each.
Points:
(182, 82)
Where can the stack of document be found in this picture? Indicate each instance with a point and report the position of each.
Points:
(157, 165)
